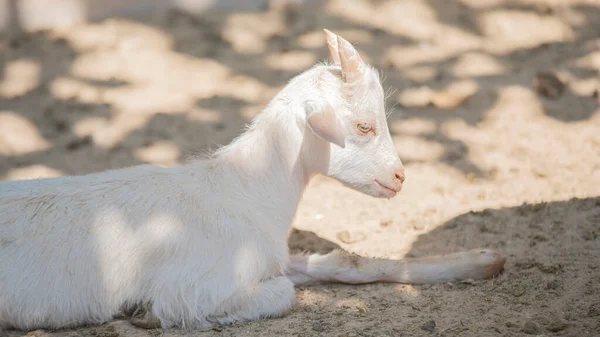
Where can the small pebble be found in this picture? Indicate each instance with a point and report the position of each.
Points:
(557, 326)
(525, 264)
(549, 85)
(156, 332)
(518, 290)
(530, 328)
(594, 310)
(428, 326)
(385, 223)
(552, 285)
(318, 326)
(550, 268)
(348, 238)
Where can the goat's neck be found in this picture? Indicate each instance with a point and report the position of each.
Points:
(275, 158)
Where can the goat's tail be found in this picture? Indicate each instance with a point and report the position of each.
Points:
(342, 267)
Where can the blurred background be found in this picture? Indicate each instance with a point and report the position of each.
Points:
(496, 116)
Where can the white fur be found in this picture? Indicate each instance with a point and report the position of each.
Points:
(203, 242)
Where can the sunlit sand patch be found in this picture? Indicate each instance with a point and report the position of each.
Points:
(408, 292)
(314, 296)
(204, 115)
(148, 100)
(418, 18)
(585, 87)
(413, 126)
(249, 33)
(290, 61)
(455, 38)
(121, 125)
(32, 172)
(99, 65)
(514, 103)
(450, 97)
(250, 112)
(117, 34)
(314, 39)
(591, 61)
(416, 97)
(378, 243)
(311, 40)
(552, 2)
(19, 77)
(420, 73)
(414, 148)
(173, 72)
(89, 37)
(455, 94)
(405, 57)
(357, 36)
(535, 154)
(510, 30)
(538, 5)
(482, 146)
(69, 88)
(477, 64)
(355, 11)
(352, 304)
(88, 126)
(575, 17)
(481, 4)
(160, 153)
(38, 15)
(19, 136)
(245, 88)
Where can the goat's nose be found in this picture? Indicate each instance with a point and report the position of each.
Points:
(399, 174)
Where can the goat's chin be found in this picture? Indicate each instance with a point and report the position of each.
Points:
(371, 189)
(379, 193)
(378, 190)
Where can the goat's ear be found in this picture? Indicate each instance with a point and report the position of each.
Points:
(324, 122)
(353, 67)
(332, 45)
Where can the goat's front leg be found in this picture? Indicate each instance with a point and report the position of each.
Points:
(342, 267)
(270, 298)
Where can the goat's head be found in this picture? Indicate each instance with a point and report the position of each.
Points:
(353, 119)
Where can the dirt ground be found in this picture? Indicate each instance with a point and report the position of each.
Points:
(496, 117)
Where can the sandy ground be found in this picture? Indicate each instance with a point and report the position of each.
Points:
(496, 117)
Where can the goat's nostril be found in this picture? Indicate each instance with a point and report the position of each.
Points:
(400, 175)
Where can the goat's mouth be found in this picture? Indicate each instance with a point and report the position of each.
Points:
(387, 189)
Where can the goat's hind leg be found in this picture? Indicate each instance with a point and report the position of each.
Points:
(270, 298)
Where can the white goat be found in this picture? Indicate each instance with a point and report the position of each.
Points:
(206, 242)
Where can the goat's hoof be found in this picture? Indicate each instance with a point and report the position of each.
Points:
(145, 320)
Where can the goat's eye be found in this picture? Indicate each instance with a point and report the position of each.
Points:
(364, 127)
